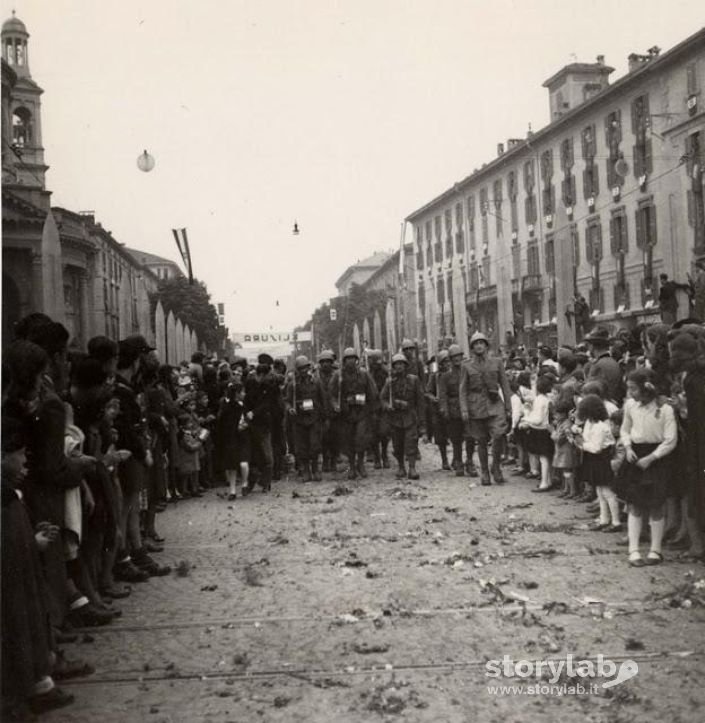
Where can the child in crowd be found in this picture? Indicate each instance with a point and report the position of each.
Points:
(597, 443)
(538, 436)
(188, 462)
(566, 455)
(649, 433)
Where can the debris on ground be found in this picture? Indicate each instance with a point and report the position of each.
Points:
(183, 569)
(279, 539)
(393, 698)
(371, 648)
(341, 490)
(252, 576)
(209, 588)
(689, 594)
(633, 644)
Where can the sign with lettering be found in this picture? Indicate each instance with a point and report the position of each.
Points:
(271, 337)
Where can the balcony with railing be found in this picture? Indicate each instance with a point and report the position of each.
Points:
(532, 283)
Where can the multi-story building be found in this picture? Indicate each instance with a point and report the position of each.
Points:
(359, 272)
(162, 268)
(57, 261)
(597, 203)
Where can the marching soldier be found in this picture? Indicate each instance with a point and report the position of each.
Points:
(482, 379)
(354, 396)
(440, 427)
(403, 399)
(417, 368)
(326, 360)
(449, 408)
(306, 404)
(380, 424)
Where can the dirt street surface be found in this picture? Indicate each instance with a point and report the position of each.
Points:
(384, 600)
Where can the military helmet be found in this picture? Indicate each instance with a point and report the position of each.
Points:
(302, 362)
(350, 352)
(443, 355)
(408, 344)
(400, 358)
(454, 350)
(478, 336)
(326, 355)
(374, 353)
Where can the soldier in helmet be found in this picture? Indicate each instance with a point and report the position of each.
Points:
(380, 424)
(329, 447)
(417, 368)
(440, 430)
(449, 408)
(403, 398)
(307, 406)
(354, 397)
(485, 404)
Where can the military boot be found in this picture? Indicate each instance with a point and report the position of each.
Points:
(444, 458)
(413, 474)
(315, 470)
(361, 465)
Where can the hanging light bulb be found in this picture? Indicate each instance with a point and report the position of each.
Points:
(145, 162)
(296, 229)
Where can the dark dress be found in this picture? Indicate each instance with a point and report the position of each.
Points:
(25, 618)
(235, 442)
(647, 488)
(694, 448)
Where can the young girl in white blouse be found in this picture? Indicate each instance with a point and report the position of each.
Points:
(649, 434)
(538, 434)
(597, 443)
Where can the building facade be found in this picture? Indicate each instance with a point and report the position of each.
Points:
(359, 272)
(56, 261)
(596, 204)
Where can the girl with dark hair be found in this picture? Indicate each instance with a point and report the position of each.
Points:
(649, 434)
(597, 443)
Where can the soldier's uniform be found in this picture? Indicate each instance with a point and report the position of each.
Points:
(380, 423)
(418, 369)
(306, 404)
(355, 395)
(482, 380)
(440, 430)
(329, 445)
(403, 398)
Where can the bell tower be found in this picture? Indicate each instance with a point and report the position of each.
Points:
(25, 132)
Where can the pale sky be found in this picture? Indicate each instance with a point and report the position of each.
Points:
(345, 116)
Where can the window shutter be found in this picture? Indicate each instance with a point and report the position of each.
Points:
(595, 180)
(597, 251)
(575, 241)
(588, 245)
(648, 157)
(640, 228)
(653, 232)
(614, 240)
(635, 115)
(691, 208)
(624, 234)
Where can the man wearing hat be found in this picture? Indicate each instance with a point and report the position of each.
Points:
(262, 397)
(403, 399)
(485, 404)
(380, 423)
(329, 443)
(449, 408)
(440, 431)
(306, 404)
(416, 366)
(603, 366)
(354, 397)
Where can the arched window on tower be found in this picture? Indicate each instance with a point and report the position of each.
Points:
(21, 127)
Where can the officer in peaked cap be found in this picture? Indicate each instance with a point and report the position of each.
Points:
(485, 404)
(354, 397)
